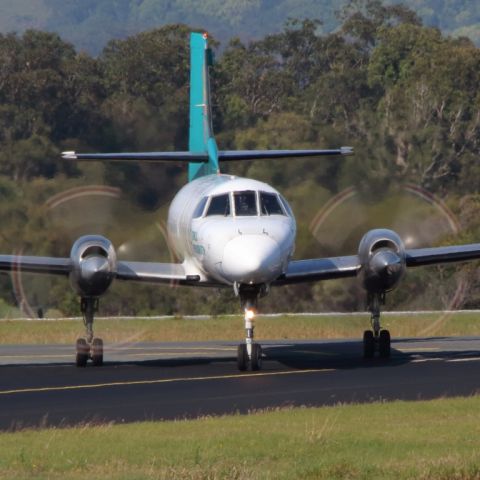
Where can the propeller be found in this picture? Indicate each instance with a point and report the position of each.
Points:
(77, 211)
(421, 220)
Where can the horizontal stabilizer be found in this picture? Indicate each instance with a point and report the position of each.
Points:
(144, 157)
(225, 155)
(266, 154)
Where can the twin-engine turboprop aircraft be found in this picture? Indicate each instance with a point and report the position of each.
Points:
(233, 232)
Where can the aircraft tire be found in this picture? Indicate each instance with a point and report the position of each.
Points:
(82, 353)
(242, 357)
(256, 357)
(368, 344)
(97, 352)
(384, 344)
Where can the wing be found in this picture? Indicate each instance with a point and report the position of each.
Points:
(319, 269)
(348, 266)
(431, 256)
(31, 264)
(155, 273)
(136, 271)
(297, 270)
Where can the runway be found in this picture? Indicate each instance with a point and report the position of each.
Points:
(40, 386)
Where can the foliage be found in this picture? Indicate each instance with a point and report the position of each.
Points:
(90, 24)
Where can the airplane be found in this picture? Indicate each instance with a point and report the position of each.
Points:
(231, 232)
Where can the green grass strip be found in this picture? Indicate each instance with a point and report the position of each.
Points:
(437, 439)
(231, 328)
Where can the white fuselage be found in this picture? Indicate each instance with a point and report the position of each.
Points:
(232, 230)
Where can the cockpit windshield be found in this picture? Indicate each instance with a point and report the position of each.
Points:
(198, 212)
(269, 204)
(219, 205)
(245, 203)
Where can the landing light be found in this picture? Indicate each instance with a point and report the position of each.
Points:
(249, 314)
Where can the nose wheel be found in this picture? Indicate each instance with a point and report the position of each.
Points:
(254, 360)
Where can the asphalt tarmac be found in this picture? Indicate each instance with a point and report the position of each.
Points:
(40, 385)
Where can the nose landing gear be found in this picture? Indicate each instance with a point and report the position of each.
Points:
(377, 339)
(249, 353)
(89, 347)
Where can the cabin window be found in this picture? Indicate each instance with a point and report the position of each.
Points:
(245, 203)
(269, 204)
(219, 205)
(200, 208)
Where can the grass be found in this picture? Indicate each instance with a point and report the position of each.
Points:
(437, 439)
(231, 328)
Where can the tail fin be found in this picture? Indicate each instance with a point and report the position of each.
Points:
(201, 140)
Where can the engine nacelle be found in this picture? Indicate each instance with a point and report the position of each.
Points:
(383, 262)
(94, 265)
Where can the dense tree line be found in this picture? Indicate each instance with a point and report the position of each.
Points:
(90, 24)
(405, 96)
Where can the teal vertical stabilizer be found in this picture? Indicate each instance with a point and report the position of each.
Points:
(201, 134)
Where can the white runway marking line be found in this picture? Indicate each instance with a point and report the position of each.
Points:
(159, 381)
(418, 349)
(423, 360)
(467, 359)
(451, 360)
(37, 356)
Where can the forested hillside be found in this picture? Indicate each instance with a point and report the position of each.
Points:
(89, 24)
(405, 96)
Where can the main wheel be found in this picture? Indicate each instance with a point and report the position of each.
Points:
(384, 344)
(368, 344)
(97, 352)
(242, 357)
(82, 352)
(256, 357)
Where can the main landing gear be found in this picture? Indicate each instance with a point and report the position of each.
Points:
(376, 340)
(249, 353)
(89, 347)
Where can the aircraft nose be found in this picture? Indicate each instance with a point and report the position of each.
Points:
(251, 259)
